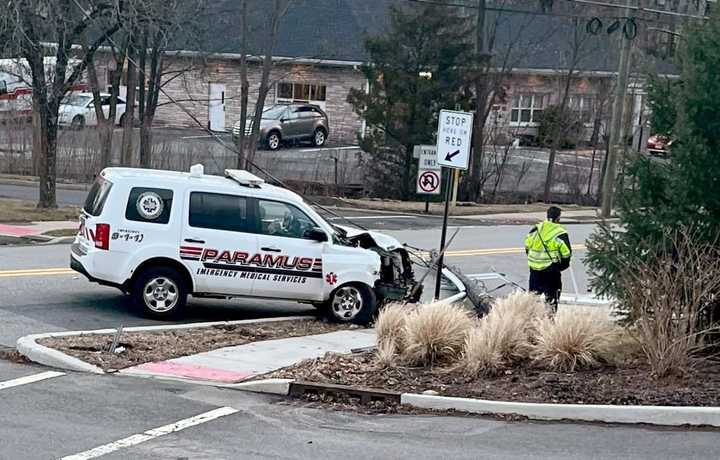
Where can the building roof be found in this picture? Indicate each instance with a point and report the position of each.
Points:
(336, 30)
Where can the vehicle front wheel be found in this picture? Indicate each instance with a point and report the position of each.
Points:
(319, 137)
(159, 292)
(78, 122)
(273, 141)
(352, 303)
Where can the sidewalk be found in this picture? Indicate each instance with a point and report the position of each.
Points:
(235, 364)
(36, 228)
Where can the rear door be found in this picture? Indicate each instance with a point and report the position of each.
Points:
(292, 124)
(291, 264)
(217, 242)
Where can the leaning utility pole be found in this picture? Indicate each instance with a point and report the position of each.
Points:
(617, 125)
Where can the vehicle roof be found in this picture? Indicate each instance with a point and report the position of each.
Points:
(162, 178)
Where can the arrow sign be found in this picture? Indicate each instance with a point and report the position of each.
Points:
(450, 156)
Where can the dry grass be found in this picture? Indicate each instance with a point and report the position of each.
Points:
(435, 333)
(391, 321)
(503, 336)
(387, 352)
(575, 338)
(17, 211)
(673, 295)
(389, 326)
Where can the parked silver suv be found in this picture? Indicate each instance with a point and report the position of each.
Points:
(290, 123)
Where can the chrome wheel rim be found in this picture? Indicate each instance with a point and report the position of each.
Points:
(319, 137)
(273, 141)
(347, 303)
(160, 294)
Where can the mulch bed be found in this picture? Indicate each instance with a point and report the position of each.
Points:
(632, 384)
(144, 347)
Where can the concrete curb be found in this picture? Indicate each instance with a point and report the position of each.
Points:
(268, 386)
(28, 346)
(653, 415)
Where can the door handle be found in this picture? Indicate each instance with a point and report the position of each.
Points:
(271, 249)
(192, 240)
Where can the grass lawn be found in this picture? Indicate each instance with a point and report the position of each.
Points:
(18, 211)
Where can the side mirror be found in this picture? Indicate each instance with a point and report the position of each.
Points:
(316, 234)
(283, 120)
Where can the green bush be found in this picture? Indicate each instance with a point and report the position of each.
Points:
(657, 199)
(558, 122)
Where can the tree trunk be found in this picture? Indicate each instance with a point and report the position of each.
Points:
(128, 151)
(244, 88)
(104, 126)
(407, 167)
(48, 162)
(151, 103)
(37, 136)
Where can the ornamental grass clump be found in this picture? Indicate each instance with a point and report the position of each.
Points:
(504, 336)
(435, 334)
(576, 338)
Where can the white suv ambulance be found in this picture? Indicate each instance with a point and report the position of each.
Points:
(162, 235)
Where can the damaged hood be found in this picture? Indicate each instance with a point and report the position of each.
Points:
(383, 241)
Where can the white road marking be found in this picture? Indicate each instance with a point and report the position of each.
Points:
(152, 434)
(373, 217)
(29, 379)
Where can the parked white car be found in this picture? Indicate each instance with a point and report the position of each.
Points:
(161, 236)
(77, 110)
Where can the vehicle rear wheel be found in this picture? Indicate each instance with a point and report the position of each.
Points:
(273, 141)
(319, 137)
(78, 122)
(122, 120)
(159, 292)
(352, 303)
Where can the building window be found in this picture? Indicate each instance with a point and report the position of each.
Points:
(528, 108)
(582, 107)
(300, 92)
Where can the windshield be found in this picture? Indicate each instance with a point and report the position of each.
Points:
(274, 112)
(77, 100)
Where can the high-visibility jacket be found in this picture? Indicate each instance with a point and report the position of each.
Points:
(547, 244)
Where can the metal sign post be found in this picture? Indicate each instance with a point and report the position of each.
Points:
(453, 151)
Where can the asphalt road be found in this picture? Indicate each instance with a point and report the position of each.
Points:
(135, 418)
(84, 415)
(37, 302)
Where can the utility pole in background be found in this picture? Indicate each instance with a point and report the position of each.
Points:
(478, 139)
(617, 122)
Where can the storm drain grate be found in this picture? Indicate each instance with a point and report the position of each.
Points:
(366, 396)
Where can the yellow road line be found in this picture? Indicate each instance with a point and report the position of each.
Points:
(463, 253)
(486, 252)
(36, 272)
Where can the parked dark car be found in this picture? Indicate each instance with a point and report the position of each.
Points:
(290, 123)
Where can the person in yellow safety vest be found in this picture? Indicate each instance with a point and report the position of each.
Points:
(548, 250)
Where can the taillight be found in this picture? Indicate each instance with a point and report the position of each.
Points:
(102, 236)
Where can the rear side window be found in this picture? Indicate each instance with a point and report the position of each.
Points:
(97, 196)
(147, 204)
(218, 211)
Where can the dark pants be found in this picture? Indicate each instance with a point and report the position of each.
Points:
(547, 282)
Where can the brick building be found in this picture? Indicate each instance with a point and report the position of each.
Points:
(320, 48)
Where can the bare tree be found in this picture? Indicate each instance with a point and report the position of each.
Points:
(30, 25)
(278, 11)
(576, 54)
(106, 123)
